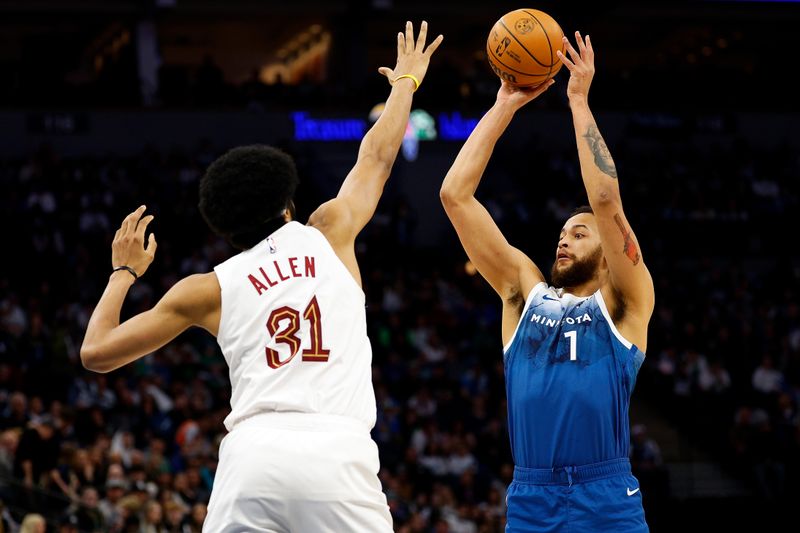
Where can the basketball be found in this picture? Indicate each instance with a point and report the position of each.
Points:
(522, 47)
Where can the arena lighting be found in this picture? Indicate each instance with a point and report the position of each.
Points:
(422, 126)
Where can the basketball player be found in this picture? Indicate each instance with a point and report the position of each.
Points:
(288, 313)
(571, 350)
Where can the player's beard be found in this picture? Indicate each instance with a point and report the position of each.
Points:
(579, 272)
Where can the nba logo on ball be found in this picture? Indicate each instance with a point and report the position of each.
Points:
(522, 47)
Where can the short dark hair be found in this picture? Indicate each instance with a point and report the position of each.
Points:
(580, 210)
(245, 189)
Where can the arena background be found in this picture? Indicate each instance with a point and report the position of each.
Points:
(108, 104)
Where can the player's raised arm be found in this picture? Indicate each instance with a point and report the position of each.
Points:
(628, 274)
(193, 301)
(342, 218)
(510, 272)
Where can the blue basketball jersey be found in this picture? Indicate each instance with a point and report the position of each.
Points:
(569, 378)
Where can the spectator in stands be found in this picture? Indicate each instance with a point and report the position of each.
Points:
(33, 523)
(9, 440)
(15, 414)
(767, 379)
(37, 454)
(715, 378)
(108, 506)
(90, 518)
(152, 517)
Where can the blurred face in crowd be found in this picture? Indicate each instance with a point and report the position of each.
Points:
(174, 514)
(89, 498)
(579, 254)
(198, 513)
(114, 493)
(153, 513)
(115, 471)
(18, 404)
(8, 442)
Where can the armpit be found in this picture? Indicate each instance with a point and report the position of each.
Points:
(516, 300)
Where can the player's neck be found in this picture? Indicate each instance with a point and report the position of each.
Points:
(588, 288)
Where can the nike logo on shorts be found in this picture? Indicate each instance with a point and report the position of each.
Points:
(632, 492)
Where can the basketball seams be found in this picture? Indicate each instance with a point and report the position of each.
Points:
(526, 37)
(491, 52)
(523, 46)
(547, 35)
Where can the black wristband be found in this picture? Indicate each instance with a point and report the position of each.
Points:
(129, 269)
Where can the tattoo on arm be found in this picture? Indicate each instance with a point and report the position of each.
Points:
(602, 156)
(630, 249)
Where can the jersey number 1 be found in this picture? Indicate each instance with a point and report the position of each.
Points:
(573, 344)
(288, 335)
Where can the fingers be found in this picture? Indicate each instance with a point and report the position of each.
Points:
(542, 88)
(401, 44)
(142, 226)
(434, 45)
(533, 92)
(581, 45)
(576, 57)
(409, 37)
(386, 71)
(567, 63)
(151, 245)
(589, 50)
(423, 34)
(129, 223)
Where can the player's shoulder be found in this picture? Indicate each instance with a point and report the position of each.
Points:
(194, 296)
(334, 220)
(198, 286)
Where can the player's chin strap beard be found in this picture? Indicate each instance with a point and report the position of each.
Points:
(250, 237)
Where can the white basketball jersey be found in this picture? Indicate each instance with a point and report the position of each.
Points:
(293, 330)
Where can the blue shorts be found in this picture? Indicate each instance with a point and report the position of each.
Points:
(597, 497)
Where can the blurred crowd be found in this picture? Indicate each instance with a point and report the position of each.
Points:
(135, 450)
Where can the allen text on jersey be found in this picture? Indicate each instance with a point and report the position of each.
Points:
(292, 267)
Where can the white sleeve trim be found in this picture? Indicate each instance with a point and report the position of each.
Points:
(602, 303)
(534, 291)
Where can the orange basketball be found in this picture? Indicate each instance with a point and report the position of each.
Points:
(522, 47)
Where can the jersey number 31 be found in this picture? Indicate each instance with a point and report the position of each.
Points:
(288, 334)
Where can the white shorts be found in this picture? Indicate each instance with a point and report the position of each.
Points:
(298, 473)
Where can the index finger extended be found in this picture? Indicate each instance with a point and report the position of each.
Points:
(573, 54)
(129, 222)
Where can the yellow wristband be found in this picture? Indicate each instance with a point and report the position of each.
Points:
(411, 77)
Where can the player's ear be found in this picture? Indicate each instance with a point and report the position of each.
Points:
(289, 212)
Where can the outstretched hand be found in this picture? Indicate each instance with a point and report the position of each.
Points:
(412, 56)
(128, 247)
(517, 97)
(581, 67)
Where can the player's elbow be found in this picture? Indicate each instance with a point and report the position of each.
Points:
(377, 154)
(92, 359)
(605, 197)
(450, 196)
(445, 195)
